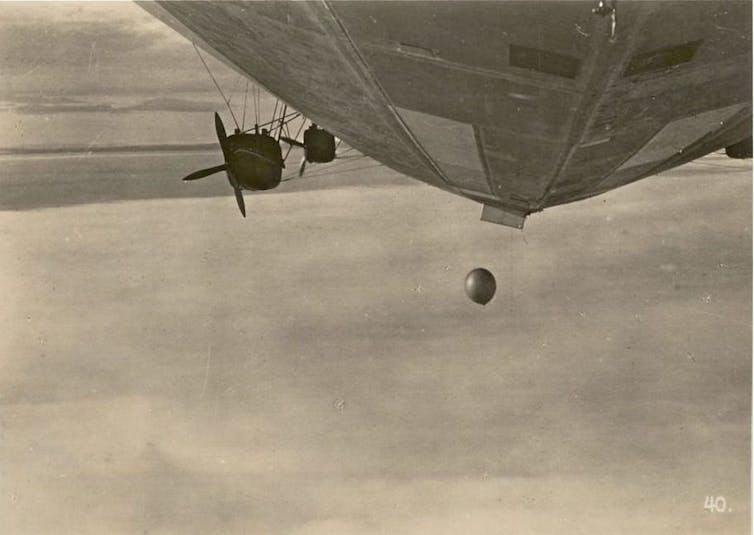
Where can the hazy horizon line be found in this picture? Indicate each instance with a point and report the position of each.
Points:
(84, 149)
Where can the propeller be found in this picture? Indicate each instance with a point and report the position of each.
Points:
(222, 137)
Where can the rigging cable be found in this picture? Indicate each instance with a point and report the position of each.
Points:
(233, 89)
(339, 161)
(274, 112)
(327, 172)
(227, 103)
(282, 119)
(290, 147)
(259, 101)
(256, 104)
(245, 93)
(290, 117)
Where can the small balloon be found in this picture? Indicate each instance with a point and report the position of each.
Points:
(480, 286)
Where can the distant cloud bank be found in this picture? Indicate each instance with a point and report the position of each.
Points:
(96, 49)
(78, 106)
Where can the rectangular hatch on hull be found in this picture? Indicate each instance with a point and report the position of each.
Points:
(659, 60)
(452, 145)
(535, 59)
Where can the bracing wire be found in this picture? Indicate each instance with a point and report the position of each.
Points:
(274, 111)
(256, 104)
(245, 93)
(338, 164)
(227, 103)
(282, 121)
(233, 89)
(329, 173)
(290, 147)
(290, 117)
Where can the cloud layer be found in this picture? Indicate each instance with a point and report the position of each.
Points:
(95, 49)
(316, 369)
(68, 105)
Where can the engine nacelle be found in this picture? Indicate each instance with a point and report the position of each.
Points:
(740, 150)
(319, 145)
(256, 160)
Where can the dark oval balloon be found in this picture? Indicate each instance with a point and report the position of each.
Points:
(480, 286)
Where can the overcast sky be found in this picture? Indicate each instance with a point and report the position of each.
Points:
(102, 73)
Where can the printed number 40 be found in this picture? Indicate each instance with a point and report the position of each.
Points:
(716, 504)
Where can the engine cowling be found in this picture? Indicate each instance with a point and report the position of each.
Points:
(319, 145)
(256, 161)
(740, 150)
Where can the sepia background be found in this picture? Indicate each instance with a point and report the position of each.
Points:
(169, 367)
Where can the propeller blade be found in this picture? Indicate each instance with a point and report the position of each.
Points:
(221, 135)
(292, 142)
(239, 200)
(196, 175)
(220, 128)
(302, 167)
